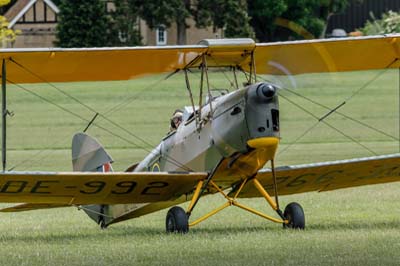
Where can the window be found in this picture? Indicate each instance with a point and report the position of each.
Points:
(161, 35)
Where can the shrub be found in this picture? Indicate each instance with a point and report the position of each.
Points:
(390, 23)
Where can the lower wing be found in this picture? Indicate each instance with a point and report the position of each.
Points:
(81, 188)
(32, 206)
(328, 175)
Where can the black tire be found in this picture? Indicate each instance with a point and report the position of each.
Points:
(295, 215)
(177, 221)
(103, 224)
(102, 219)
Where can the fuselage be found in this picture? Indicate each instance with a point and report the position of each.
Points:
(224, 129)
(232, 137)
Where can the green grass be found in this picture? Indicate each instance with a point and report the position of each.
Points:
(358, 226)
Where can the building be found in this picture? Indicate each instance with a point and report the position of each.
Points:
(168, 36)
(37, 21)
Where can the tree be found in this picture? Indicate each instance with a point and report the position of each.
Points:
(230, 15)
(303, 18)
(7, 35)
(5, 5)
(330, 8)
(305, 14)
(263, 14)
(4, 2)
(124, 24)
(165, 12)
(83, 23)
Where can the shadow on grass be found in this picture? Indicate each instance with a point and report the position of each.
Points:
(128, 231)
(357, 225)
(72, 236)
(380, 225)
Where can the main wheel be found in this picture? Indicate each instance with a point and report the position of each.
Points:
(102, 223)
(177, 221)
(295, 215)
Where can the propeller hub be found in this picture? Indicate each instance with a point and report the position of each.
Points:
(266, 91)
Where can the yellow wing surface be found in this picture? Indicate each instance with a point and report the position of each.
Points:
(329, 55)
(285, 58)
(78, 188)
(93, 64)
(329, 175)
(32, 206)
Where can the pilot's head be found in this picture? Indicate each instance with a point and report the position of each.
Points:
(176, 119)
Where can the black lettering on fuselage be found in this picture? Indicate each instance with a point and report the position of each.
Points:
(125, 187)
(153, 188)
(328, 177)
(40, 185)
(299, 181)
(13, 186)
(94, 187)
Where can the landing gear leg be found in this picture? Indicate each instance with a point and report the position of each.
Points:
(293, 216)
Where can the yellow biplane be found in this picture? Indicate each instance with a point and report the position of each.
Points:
(220, 146)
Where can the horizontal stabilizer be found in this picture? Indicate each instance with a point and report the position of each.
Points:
(79, 188)
(328, 175)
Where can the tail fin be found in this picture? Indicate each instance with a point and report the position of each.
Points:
(88, 155)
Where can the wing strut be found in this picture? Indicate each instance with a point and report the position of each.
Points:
(200, 189)
(4, 114)
(253, 72)
(190, 95)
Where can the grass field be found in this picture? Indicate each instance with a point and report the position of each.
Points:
(358, 226)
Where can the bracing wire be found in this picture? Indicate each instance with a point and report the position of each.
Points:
(36, 157)
(108, 112)
(231, 83)
(343, 115)
(169, 159)
(103, 116)
(72, 113)
(319, 120)
(335, 110)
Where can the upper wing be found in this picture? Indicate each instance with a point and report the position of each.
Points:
(329, 175)
(91, 64)
(285, 58)
(330, 55)
(77, 188)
